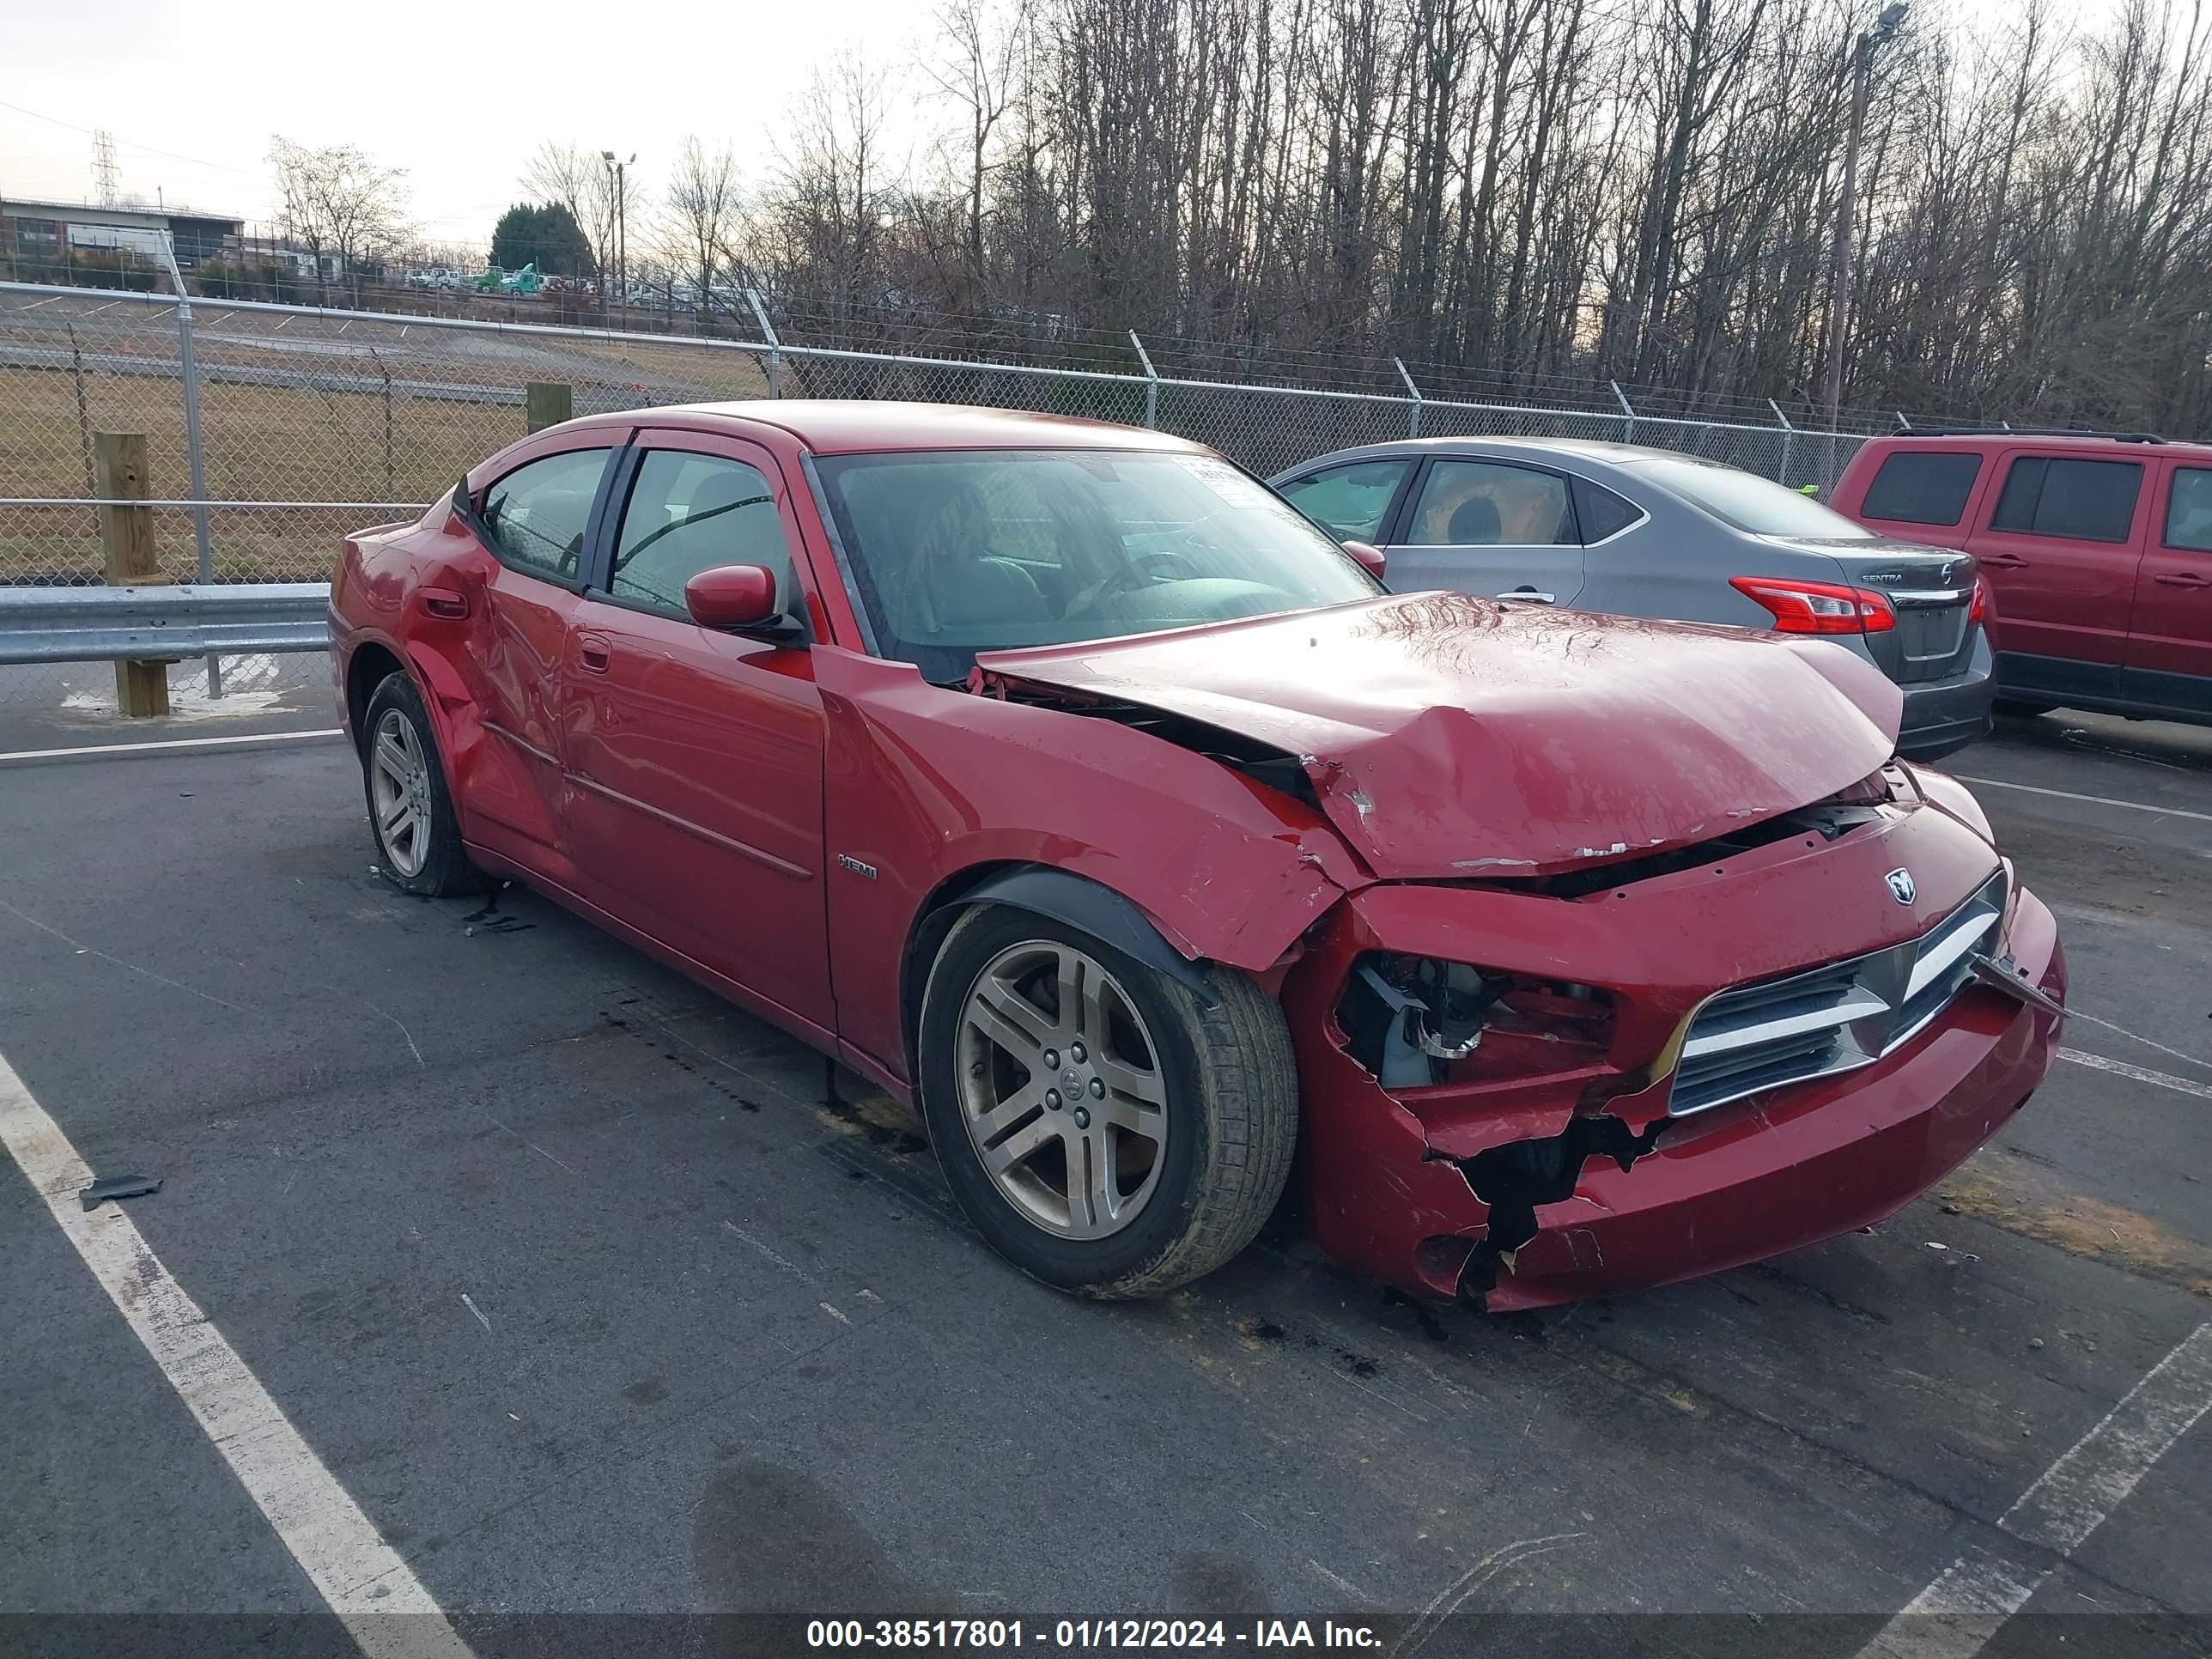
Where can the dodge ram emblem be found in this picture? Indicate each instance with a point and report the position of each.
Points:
(1901, 887)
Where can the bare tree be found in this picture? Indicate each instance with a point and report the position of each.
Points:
(601, 201)
(1527, 193)
(699, 222)
(976, 71)
(825, 215)
(337, 204)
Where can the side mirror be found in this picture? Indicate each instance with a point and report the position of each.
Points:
(1369, 556)
(731, 596)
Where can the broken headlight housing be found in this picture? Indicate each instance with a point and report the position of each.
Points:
(1417, 1021)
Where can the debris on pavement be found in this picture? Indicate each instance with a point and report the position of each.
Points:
(123, 1185)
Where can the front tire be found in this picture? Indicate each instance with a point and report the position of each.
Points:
(1105, 1131)
(410, 811)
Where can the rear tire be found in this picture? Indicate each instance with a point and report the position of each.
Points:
(1167, 1134)
(410, 811)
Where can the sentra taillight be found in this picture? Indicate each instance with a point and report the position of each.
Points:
(1978, 608)
(1817, 607)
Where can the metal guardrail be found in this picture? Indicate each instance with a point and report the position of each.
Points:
(162, 624)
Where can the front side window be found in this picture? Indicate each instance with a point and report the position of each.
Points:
(1746, 502)
(1920, 486)
(690, 512)
(954, 552)
(538, 514)
(1485, 504)
(1350, 501)
(2058, 496)
(2189, 510)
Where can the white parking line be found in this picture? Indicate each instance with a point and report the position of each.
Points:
(2121, 1068)
(1954, 1616)
(358, 1574)
(2095, 801)
(168, 743)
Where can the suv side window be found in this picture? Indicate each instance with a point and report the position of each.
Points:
(2059, 496)
(2189, 510)
(538, 512)
(1486, 504)
(690, 512)
(1352, 499)
(1920, 486)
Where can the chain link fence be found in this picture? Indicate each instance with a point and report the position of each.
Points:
(310, 423)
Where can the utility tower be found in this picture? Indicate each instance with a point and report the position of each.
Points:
(103, 167)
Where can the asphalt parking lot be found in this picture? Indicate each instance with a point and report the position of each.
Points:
(590, 1295)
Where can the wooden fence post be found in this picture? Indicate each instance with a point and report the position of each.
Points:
(127, 534)
(548, 402)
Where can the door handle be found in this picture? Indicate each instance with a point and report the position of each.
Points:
(2001, 560)
(2183, 579)
(593, 652)
(1531, 595)
(444, 603)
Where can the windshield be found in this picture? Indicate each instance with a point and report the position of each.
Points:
(1750, 503)
(959, 551)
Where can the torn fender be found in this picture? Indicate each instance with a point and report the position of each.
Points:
(928, 787)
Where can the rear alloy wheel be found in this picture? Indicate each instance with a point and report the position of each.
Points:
(1104, 1128)
(410, 811)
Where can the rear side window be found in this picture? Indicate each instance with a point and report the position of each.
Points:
(2189, 510)
(2059, 496)
(1919, 486)
(691, 513)
(1350, 501)
(1486, 504)
(538, 512)
(1602, 513)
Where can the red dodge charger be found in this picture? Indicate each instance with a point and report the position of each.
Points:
(1069, 784)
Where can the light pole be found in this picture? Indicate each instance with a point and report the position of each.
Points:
(620, 170)
(1839, 289)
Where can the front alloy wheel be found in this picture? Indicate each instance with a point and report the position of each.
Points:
(1106, 1127)
(1060, 1090)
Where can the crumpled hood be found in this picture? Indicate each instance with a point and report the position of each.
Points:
(1448, 735)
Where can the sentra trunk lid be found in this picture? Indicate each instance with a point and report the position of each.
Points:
(1450, 737)
(1930, 589)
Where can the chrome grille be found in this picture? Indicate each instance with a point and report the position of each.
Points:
(1832, 1019)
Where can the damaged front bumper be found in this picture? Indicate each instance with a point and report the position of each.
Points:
(1528, 1190)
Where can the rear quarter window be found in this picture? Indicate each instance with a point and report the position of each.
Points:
(1920, 486)
(1601, 513)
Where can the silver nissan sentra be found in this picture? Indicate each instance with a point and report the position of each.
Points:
(1648, 532)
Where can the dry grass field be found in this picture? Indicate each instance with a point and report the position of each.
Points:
(263, 443)
(308, 442)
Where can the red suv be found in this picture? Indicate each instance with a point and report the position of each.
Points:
(2097, 547)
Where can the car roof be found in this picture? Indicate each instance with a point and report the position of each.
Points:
(1593, 449)
(833, 426)
(2101, 443)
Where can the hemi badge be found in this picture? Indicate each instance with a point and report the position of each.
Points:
(856, 866)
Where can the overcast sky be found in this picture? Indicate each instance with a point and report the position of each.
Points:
(459, 94)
